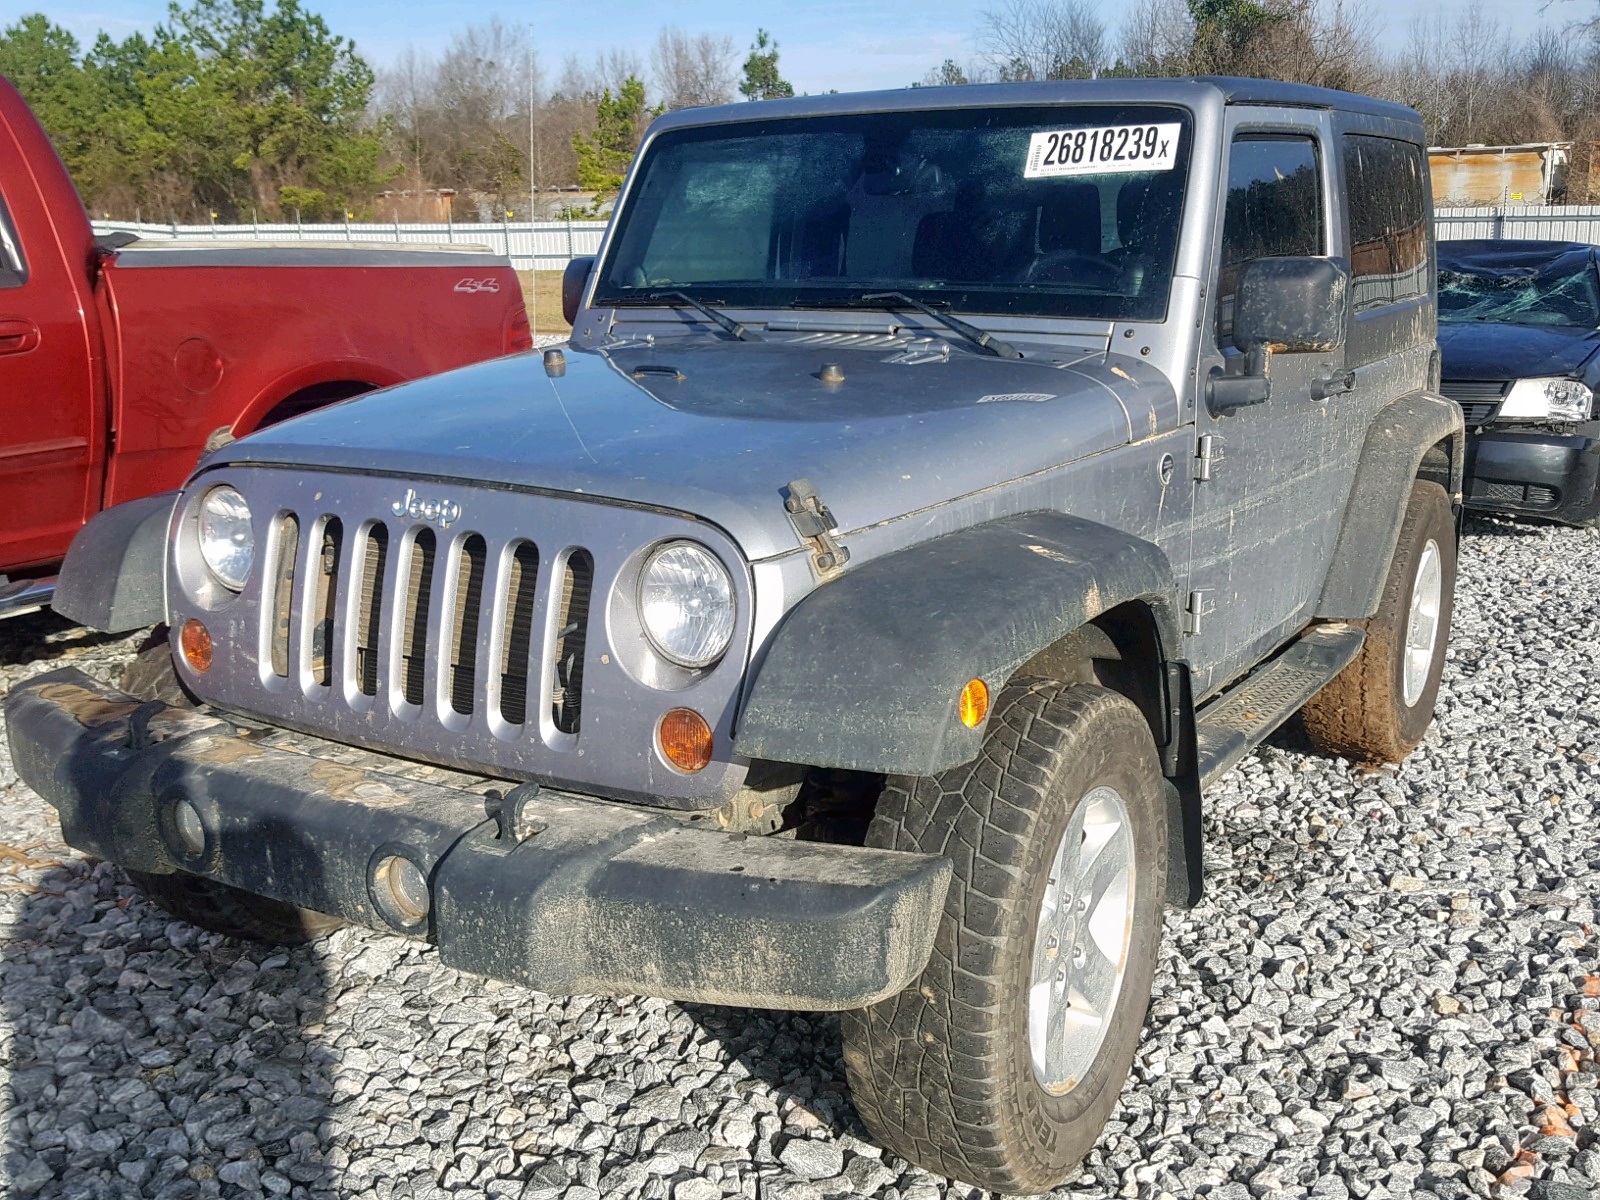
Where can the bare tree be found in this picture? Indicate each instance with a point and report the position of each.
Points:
(461, 121)
(404, 93)
(951, 73)
(1155, 38)
(691, 70)
(1044, 39)
(1476, 48)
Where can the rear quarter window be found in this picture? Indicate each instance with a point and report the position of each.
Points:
(1389, 242)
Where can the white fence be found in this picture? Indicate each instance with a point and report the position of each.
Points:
(538, 245)
(1539, 222)
(550, 245)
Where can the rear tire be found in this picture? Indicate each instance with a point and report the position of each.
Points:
(1379, 707)
(1000, 1065)
(232, 911)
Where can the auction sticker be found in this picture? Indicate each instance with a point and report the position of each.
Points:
(1107, 150)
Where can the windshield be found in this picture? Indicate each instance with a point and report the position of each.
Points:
(1065, 211)
(1558, 290)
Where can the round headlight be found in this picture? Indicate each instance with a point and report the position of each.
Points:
(227, 541)
(686, 604)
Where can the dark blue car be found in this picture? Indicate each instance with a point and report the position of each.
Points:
(1519, 327)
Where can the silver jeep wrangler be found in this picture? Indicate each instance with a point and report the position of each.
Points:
(938, 490)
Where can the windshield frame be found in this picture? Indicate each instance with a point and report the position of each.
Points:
(1001, 298)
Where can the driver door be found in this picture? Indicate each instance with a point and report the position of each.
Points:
(1271, 492)
(49, 482)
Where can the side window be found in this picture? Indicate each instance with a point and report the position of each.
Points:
(13, 271)
(1388, 221)
(1274, 209)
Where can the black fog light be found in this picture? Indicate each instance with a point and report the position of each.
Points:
(399, 888)
(185, 831)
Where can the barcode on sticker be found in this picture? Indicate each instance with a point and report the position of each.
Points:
(1102, 151)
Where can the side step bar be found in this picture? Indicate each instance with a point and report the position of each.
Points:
(1238, 720)
(18, 596)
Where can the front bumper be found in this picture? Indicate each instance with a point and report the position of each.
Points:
(568, 894)
(1537, 472)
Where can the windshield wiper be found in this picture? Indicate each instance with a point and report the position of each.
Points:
(722, 319)
(889, 301)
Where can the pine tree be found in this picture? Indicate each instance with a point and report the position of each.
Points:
(761, 78)
(619, 122)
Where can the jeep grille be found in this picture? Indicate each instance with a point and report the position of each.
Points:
(459, 630)
(487, 644)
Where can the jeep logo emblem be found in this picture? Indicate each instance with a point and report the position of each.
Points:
(446, 512)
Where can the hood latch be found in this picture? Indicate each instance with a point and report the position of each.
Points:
(814, 522)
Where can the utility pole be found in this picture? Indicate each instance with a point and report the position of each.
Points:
(533, 189)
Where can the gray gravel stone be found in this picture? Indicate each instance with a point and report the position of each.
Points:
(1362, 1005)
(812, 1159)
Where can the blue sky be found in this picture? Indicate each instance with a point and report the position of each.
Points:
(844, 44)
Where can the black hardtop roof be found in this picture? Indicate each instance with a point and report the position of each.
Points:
(1183, 91)
(1238, 90)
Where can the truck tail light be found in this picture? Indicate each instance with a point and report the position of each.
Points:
(518, 333)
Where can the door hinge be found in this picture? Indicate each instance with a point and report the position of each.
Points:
(1205, 456)
(813, 521)
(1197, 608)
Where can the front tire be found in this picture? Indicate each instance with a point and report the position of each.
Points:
(1379, 707)
(1000, 1065)
(152, 676)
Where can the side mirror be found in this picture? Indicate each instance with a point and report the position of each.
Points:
(1292, 305)
(1282, 306)
(573, 281)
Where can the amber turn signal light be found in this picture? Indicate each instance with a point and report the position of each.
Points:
(974, 706)
(195, 642)
(685, 740)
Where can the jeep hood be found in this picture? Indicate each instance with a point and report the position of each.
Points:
(700, 425)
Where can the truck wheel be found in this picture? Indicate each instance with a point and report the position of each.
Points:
(232, 911)
(1377, 708)
(1002, 1062)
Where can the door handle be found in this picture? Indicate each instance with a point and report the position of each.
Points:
(1334, 385)
(17, 335)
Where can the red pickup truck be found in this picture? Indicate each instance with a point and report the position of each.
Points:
(120, 359)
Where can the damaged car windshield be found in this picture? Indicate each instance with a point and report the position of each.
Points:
(1518, 285)
(1066, 211)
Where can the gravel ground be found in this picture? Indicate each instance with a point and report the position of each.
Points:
(1384, 995)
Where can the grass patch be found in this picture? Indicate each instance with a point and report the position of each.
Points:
(541, 291)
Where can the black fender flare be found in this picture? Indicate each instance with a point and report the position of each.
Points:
(114, 576)
(866, 672)
(1398, 440)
